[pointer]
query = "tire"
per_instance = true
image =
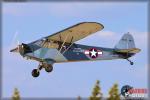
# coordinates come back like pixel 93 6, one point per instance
pixel 131 63
pixel 49 68
pixel 35 73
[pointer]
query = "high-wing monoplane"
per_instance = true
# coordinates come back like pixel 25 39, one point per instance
pixel 61 47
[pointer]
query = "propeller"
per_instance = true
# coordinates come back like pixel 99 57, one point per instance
pixel 19 47
pixel 13 43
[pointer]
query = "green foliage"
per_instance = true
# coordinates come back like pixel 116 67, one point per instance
pixel 96 94
pixel 114 93
pixel 16 95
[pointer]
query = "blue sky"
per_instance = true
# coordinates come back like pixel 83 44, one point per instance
pixel 32 21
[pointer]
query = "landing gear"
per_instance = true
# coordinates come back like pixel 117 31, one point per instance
pixel 35 72
pixel 47 67
pixel 131 63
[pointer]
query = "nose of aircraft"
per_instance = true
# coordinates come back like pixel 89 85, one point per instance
pixel 15 50
pixel 22 49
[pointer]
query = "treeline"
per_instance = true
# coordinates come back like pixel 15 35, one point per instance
pixel 98 95
pixel 95 95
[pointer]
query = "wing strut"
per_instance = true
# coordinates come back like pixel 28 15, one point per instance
pixel 63 43
pixel 69 45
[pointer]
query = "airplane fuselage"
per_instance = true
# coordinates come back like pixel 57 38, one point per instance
pixel 75 52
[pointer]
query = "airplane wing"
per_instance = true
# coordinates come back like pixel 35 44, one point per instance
pixel 74 33
pixel 132 50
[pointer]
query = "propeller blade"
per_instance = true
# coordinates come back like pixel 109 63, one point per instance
pixel 14 39
pixel 17 42
pixel 14 42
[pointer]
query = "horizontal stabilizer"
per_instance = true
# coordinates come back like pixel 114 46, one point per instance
pixel 132 50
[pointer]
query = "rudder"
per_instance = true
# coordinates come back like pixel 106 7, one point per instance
pixel 126 42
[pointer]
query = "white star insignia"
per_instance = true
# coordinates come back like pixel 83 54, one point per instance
pixel 93 53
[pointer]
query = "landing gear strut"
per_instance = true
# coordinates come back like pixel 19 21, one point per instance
pixel 131 63
pixel 47 67
pixel 36 72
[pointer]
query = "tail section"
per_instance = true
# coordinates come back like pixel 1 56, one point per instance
pixel 126 42
pixel 126 47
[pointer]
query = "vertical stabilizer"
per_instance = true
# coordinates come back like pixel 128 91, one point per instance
pixel 126 42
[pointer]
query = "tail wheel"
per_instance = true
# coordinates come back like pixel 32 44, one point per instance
pixel 35 73
pixel 131 63
pixel 49 68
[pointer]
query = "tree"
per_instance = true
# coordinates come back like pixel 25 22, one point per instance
pixel 96 94
pixel 114 93
pixel 79 98
pixel 16 95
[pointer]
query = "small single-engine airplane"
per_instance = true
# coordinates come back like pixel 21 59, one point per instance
pixel 60 47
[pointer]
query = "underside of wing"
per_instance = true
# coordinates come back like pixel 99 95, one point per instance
pixel 76 32
pixel 132 50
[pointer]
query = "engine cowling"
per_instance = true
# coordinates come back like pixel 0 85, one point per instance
pixel 24 48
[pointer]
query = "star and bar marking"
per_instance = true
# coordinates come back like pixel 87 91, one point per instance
pixel 93 53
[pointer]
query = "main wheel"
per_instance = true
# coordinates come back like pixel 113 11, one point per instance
pixel 49 68
pixel 35 73
pixel 131 63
